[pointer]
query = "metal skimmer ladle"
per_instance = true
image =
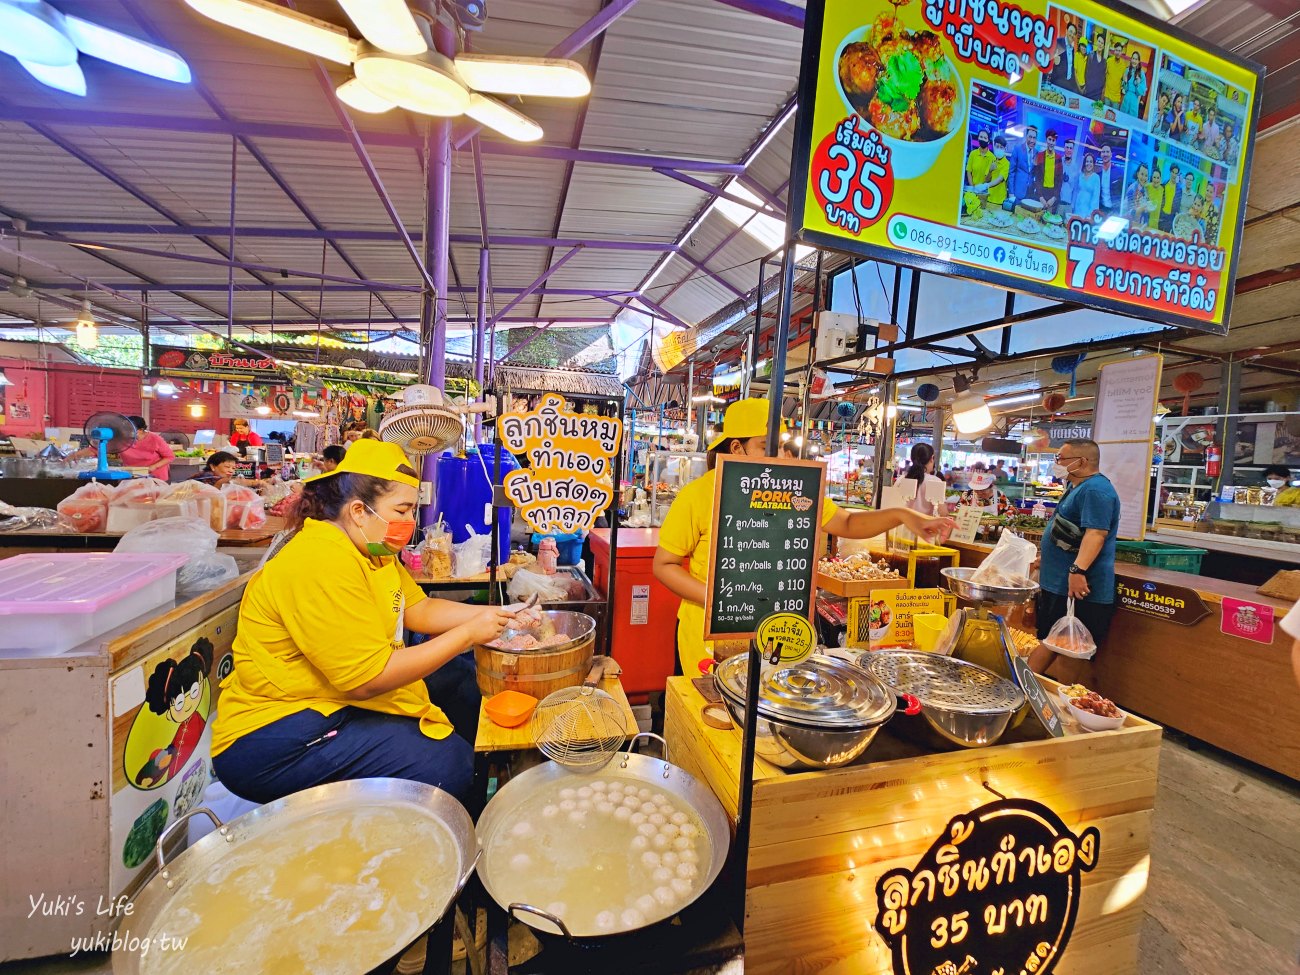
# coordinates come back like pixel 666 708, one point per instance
pixel 581 727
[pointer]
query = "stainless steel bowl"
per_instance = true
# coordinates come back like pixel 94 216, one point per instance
pixel 818 714
pixel 961 703
pixel 578 627
pixel 959 584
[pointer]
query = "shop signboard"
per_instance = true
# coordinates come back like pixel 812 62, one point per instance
pixel 1049 436
pixel 571 458
pixel 763 543
pixel 1175 604
pixel 997 891
pixel 1081 151
pixel 884 619
pixel 229 366
pixel 1247 620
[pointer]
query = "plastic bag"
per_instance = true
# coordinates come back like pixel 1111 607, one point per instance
pixel 1007 566
pixel 185 536
pixel 470 557
pixel 204 572
pixel 20 519
pixel 244 507
pixel 86 509
pixel 436 552
pixel 549 589
pixel 141 490
pixel 209 499
pixel 1069 637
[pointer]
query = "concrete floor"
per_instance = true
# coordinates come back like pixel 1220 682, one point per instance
pixel 1224 892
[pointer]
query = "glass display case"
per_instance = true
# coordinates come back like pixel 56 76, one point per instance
pixel 667 472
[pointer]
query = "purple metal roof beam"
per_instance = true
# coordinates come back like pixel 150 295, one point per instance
pixel 689 258
pixel 778 10
pixel 713 191
pixel 771 199
pixel 605 157
pixel 537 283
pixel 567 48
pixel 660 310
pixel 281 287
pixel 647 311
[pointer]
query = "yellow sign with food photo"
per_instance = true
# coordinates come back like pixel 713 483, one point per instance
pixel 1083 152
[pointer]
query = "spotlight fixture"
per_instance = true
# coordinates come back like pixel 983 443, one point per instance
pixel 970 414
pixel 87 330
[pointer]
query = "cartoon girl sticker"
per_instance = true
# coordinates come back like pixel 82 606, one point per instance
pixel 178 691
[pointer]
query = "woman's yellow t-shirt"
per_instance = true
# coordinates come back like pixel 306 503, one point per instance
pixel 686 531
pixel 318 620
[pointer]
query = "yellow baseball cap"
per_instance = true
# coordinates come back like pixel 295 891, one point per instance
pixel 744 418
pixel 376 458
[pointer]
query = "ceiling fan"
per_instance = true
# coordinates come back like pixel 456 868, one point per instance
pixel 47 43
pixel 395 66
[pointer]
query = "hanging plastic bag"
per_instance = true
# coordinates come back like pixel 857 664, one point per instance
pixel 470 557
pixel 1007 566
pixel 1069 637
pixel 86 509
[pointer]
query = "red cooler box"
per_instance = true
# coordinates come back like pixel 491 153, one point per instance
pixel 645 613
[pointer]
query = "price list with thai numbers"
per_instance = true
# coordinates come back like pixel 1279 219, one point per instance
pixel 764 544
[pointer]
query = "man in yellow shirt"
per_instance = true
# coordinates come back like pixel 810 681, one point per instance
pixel 323 688
pixel 681 562
pixel 1116 65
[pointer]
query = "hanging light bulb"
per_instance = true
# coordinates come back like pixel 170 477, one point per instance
pixel 197 409
pixel 87 330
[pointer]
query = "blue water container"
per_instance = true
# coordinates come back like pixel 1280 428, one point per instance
pixel 463 492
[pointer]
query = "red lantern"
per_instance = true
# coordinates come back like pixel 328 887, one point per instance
pixel 1054 402
pixel 1188 383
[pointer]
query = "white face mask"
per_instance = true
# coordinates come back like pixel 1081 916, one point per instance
pixel 1060 470
pixel 1000 153
pixel 1276 482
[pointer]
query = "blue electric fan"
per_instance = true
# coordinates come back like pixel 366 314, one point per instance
pixel 109 432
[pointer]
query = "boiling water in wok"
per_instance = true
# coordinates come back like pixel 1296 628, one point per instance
pixel 603 855
pixel 339 891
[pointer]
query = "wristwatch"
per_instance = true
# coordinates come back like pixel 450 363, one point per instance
pixel 1077 570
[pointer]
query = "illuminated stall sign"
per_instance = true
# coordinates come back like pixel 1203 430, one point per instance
pixel 227 366
pixel 997 892
pixel 570 477
pixel 1081 151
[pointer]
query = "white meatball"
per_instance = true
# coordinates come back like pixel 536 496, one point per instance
pixel 640 842
pixel 648 829
pixel 662 875
pixel 521 862
pixel 670 830
pixel 683 843
pixel 599 786
pixel 687 870
pixel 660 842
pixel 650 859
pixel 644 794
pixel 622 813
pixel 568 805
pixel 567 793
pixel 632 802
pixel 585 805
pixel 523 828
pixel 669 859
pixel 681 885
pixel 605 808
pixel 690 831
pixel 665 896
pixel 550 812
pixel 558 908
pixel 632 918
pixel 646 904
pixel 616 787
pixel 689 856
pixel 659 819
pixel 637 818
pixel 679 819
pixel 605 921
pixel 584 792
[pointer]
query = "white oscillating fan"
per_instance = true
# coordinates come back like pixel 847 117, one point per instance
pixel 427 421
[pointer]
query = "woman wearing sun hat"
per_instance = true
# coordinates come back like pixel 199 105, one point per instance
pixel 682 558
pixel 323 688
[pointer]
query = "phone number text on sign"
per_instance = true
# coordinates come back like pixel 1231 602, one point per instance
pixel 852 176
pixel 946 243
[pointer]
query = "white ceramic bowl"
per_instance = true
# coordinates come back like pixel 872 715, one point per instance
pixel 908 159
pixel 1095 722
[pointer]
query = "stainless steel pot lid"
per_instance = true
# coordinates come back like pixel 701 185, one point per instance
pixel 820 692
pixel 942 682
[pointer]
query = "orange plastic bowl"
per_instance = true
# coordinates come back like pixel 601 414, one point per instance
pixel 510 709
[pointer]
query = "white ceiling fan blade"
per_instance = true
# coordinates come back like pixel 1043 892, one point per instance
pixel 501 117
pixel 387 24
pixel 126 51
pixel 32 30
pixel 67 77
pixel 546 77
pixel 355 95
pixel 275 23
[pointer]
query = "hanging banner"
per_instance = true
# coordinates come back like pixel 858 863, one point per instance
pixel 1081 153
pixel 201 364
pixel 254 402
pixel 570 477
pixel 672 349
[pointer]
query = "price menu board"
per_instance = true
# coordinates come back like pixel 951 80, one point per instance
pixel 765 539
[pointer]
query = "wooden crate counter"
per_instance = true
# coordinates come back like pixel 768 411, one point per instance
pixel 821 840
pixel 491 737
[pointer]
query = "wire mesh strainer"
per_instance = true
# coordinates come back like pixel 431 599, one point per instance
pixel 582 727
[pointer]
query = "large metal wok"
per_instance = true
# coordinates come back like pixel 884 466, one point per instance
pixel 151 915
pixel 649 771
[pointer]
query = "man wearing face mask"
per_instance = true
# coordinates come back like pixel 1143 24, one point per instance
pixel 1078 549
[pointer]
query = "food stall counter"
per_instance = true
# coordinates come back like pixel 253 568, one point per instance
pixel 823 842
pixel 644 634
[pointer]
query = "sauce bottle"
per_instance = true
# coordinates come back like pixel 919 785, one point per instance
pixel 548 555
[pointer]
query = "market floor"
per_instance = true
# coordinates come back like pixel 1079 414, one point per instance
pixel 1223 896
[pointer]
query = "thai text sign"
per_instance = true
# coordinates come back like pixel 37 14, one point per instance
pixel 570 478
pixel 1176 604
pixel 997 892
pixel 1076 151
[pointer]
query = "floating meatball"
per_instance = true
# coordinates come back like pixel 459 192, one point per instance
pixel 938 100
pixel 689 856
pixel 521 862
pixel 662 875
pixel 679 819
pixel 584 792
pixel 681 885
pixel 558 908
pixel 622 813
pixel 670 859
pixel 898 125
pixel 568 805
pixel 650 859
pixel 690 831
pixel 637 818
pixel 522 829
pixel 632 802
pixel 632 918
pixel 605 808
pixel 640 843
pixel 599 786
pixel 567 793
pixel 665 896
pixel 550 812
pixel 660 842
pixel 605 921
pixel 648 829
pixel 687 870
pixel 671 830
pixel 659 819
pixel 646 904
pixel 683 843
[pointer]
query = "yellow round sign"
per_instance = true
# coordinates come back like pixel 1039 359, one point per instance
pixel 786 638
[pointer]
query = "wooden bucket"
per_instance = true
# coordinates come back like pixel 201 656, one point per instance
pixel 535 672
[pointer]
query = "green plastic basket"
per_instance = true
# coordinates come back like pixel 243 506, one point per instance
pixel 1175 558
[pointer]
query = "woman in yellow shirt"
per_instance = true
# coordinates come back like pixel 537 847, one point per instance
pixel 323 687
pixel 682 559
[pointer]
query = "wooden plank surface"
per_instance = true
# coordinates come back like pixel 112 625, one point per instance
pixel 504 574
pixel 492 737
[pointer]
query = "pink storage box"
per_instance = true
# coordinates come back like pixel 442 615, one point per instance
pixel 52 603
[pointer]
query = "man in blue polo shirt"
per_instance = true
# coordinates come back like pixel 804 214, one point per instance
pixel 1078 548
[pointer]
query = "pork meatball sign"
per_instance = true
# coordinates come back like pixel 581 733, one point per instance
pixel 1077 151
